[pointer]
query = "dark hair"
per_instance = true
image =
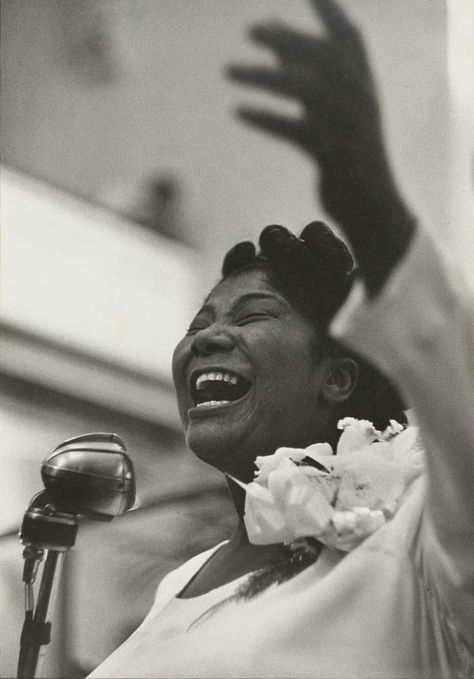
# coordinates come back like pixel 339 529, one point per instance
pixel 314 273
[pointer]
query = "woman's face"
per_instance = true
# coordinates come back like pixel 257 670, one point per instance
pixel 248 376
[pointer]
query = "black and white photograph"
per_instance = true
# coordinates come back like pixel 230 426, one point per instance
pixel 237 339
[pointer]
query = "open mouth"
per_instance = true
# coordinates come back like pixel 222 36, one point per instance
pixel 217 387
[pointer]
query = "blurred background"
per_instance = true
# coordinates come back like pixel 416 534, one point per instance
pixel 124 180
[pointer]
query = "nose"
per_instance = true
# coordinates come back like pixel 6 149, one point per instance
pixel 212 340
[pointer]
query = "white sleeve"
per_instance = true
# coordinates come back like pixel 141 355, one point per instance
pixel 420 332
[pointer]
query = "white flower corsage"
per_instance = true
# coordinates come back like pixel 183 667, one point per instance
pixel 345 498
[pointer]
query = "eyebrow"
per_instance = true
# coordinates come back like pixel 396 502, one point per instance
pixel 245 298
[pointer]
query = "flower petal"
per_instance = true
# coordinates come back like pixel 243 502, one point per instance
pixel 320 452
pixel 371 483
pixel 299 506
pixel 340 507
pixel 356 434
pixel 268 463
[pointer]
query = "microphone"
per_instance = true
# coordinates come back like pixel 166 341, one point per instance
pixel 90 475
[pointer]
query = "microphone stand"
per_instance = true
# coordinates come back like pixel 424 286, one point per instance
pixel 90 475
pixel 45 528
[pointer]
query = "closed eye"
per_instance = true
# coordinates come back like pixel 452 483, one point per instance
pixel 196 326
pixel 193 329
pixel 252 318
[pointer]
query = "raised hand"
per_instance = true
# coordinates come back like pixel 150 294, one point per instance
pixel 340 127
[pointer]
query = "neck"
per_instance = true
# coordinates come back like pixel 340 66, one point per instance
pixel 237 495
pixel 239 538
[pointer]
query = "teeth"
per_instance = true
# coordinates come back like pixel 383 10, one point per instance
pixel 211 403
pixel 215 377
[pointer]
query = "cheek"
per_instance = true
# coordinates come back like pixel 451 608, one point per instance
pixel 289 371
pixel 287 353
pixel 178 362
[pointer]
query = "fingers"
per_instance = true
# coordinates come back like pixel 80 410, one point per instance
pixel 261 77
pixel 305 59
pixel 328 75
pixel 336 21
pixel 291 129
pixel 310 85
pixel 286 42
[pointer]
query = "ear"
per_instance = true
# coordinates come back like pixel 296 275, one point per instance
pixel 341 379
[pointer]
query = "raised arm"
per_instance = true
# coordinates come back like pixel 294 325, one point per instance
pixel 339 127
pixel 421 329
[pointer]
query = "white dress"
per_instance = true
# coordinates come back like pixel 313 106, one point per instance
pixel 402 603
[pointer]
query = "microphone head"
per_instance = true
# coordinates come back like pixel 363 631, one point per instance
pixel 91 475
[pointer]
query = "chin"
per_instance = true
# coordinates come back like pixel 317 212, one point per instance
pixel 222 453
pixel 209 451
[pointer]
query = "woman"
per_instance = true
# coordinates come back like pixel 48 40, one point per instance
pixel 257 371
pixel 400 603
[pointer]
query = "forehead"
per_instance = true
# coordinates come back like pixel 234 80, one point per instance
pixel 244 284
